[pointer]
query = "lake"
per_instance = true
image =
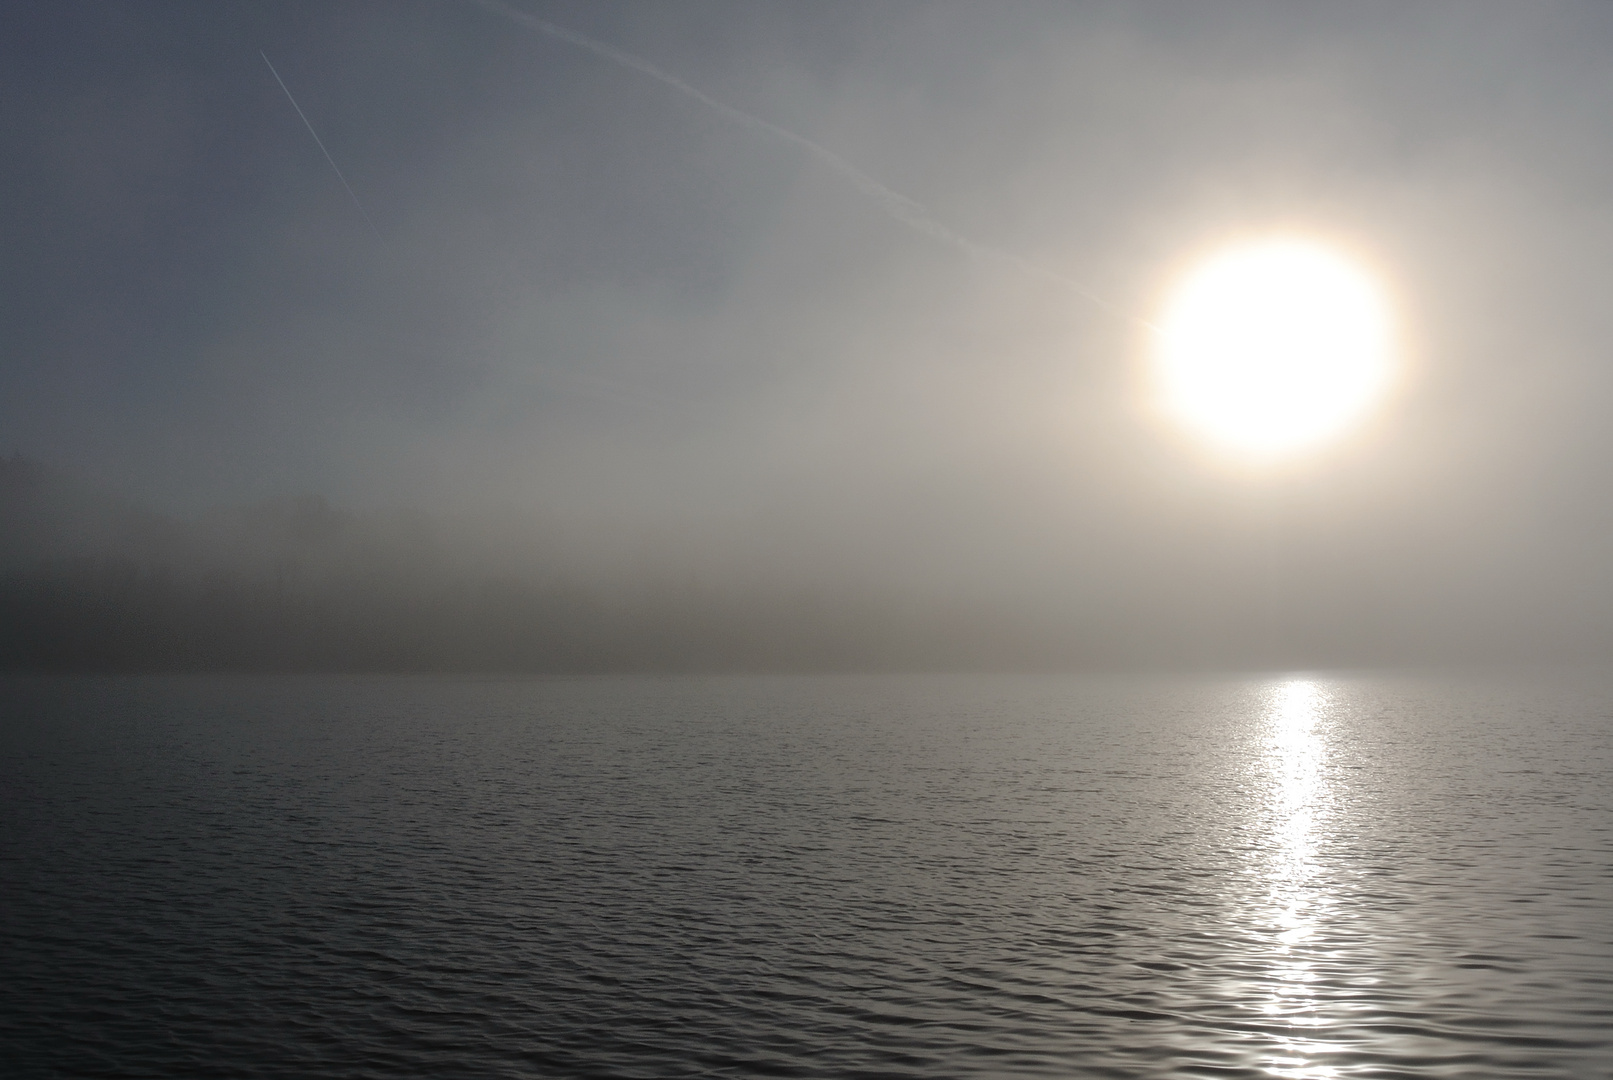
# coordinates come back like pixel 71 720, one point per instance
pixel 858 876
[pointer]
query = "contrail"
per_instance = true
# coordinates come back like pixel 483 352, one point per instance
pixel 910 212
pixel 320 144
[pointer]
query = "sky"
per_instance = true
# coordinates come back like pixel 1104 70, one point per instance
pixel 826 327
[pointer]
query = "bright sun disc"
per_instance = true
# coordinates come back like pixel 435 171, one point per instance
pixel 1273 346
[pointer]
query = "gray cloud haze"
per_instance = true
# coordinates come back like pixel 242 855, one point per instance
pixel 826 397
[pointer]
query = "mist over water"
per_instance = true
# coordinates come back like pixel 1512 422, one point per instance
pixel 93 581
pixel 608 340
pixel 856 876
pixel 715 431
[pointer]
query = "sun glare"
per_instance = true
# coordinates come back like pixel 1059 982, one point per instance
pixel 1272 347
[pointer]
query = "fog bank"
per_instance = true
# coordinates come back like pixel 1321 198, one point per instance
pixel 620 379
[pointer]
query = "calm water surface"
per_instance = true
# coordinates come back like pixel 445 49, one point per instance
pixel 835 877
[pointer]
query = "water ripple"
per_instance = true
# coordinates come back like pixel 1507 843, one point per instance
pixel 857 877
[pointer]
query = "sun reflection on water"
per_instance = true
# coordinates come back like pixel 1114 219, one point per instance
pixel 1299 902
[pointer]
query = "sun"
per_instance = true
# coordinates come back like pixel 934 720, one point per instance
pixel 1270 347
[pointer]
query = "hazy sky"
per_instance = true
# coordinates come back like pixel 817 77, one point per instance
pixel 598 304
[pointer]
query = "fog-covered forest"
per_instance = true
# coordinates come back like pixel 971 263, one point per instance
pixel 92 581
